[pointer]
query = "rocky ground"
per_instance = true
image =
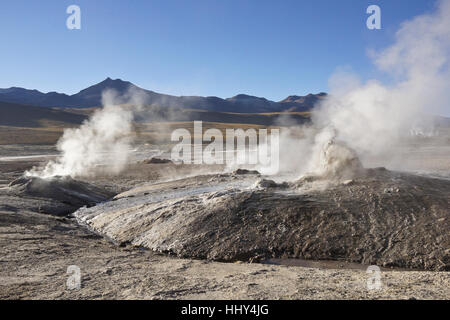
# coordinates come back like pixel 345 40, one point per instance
pixel 37 248
pixel 381 217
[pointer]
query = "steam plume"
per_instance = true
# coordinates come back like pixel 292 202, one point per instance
pixel 101 143
pixel 371 118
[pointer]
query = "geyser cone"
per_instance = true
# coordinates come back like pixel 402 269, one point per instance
pixel 339 161
pixel 63 189
pixel 384 218
pixel 335 162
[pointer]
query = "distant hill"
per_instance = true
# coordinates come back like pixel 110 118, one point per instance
pixel 18 115
pixel 91 97
pixel 161 114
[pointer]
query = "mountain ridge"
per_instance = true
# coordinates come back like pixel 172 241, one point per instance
pixel 91 97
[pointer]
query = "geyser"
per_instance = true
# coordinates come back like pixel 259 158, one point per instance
pixel 102 143
pixel 332 159
pixel 373 118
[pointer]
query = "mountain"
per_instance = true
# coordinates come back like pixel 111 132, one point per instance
pixel 33 97
pixel 86 98
pixel 91 97
pixel 293 102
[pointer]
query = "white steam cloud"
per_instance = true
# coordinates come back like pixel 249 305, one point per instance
pixel 100 144
pixel 372 117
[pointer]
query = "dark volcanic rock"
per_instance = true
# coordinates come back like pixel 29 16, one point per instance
pixel 266 183
pixel 245 171
pixel 358 222
pixel 57 195
pixel 156 160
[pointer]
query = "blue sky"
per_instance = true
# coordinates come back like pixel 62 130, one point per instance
pixel 194 47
